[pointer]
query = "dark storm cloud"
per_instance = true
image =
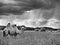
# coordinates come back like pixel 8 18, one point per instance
pixel 37 4
pixel 12 10
pixel 57 0
pixel 24 5
pixel 38 9
pixel 1 4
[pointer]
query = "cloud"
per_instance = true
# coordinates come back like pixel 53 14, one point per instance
pixel 19 7
pixel 53 22
pixel 30 13
pixel 3 22
pixel 7 1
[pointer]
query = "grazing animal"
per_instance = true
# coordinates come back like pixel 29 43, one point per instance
pixel 11 30
pixel 7 29
pixel 16 30
pixel 5 33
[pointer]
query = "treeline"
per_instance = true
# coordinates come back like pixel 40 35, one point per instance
pixel 42 29
pixel 39 28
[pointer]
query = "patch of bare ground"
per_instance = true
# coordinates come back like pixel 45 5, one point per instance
pixel 32 38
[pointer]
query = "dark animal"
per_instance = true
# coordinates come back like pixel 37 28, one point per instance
pixel 14 34
pixel 4 34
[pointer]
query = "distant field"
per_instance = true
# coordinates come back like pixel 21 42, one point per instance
pixel 32 38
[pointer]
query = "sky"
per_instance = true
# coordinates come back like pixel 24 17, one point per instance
pixel 30 13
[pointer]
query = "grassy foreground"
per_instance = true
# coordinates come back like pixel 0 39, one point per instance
pixel 31 38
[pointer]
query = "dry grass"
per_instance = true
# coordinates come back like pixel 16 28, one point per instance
pixel 33 38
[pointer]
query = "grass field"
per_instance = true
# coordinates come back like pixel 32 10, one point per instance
pixel 32 38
